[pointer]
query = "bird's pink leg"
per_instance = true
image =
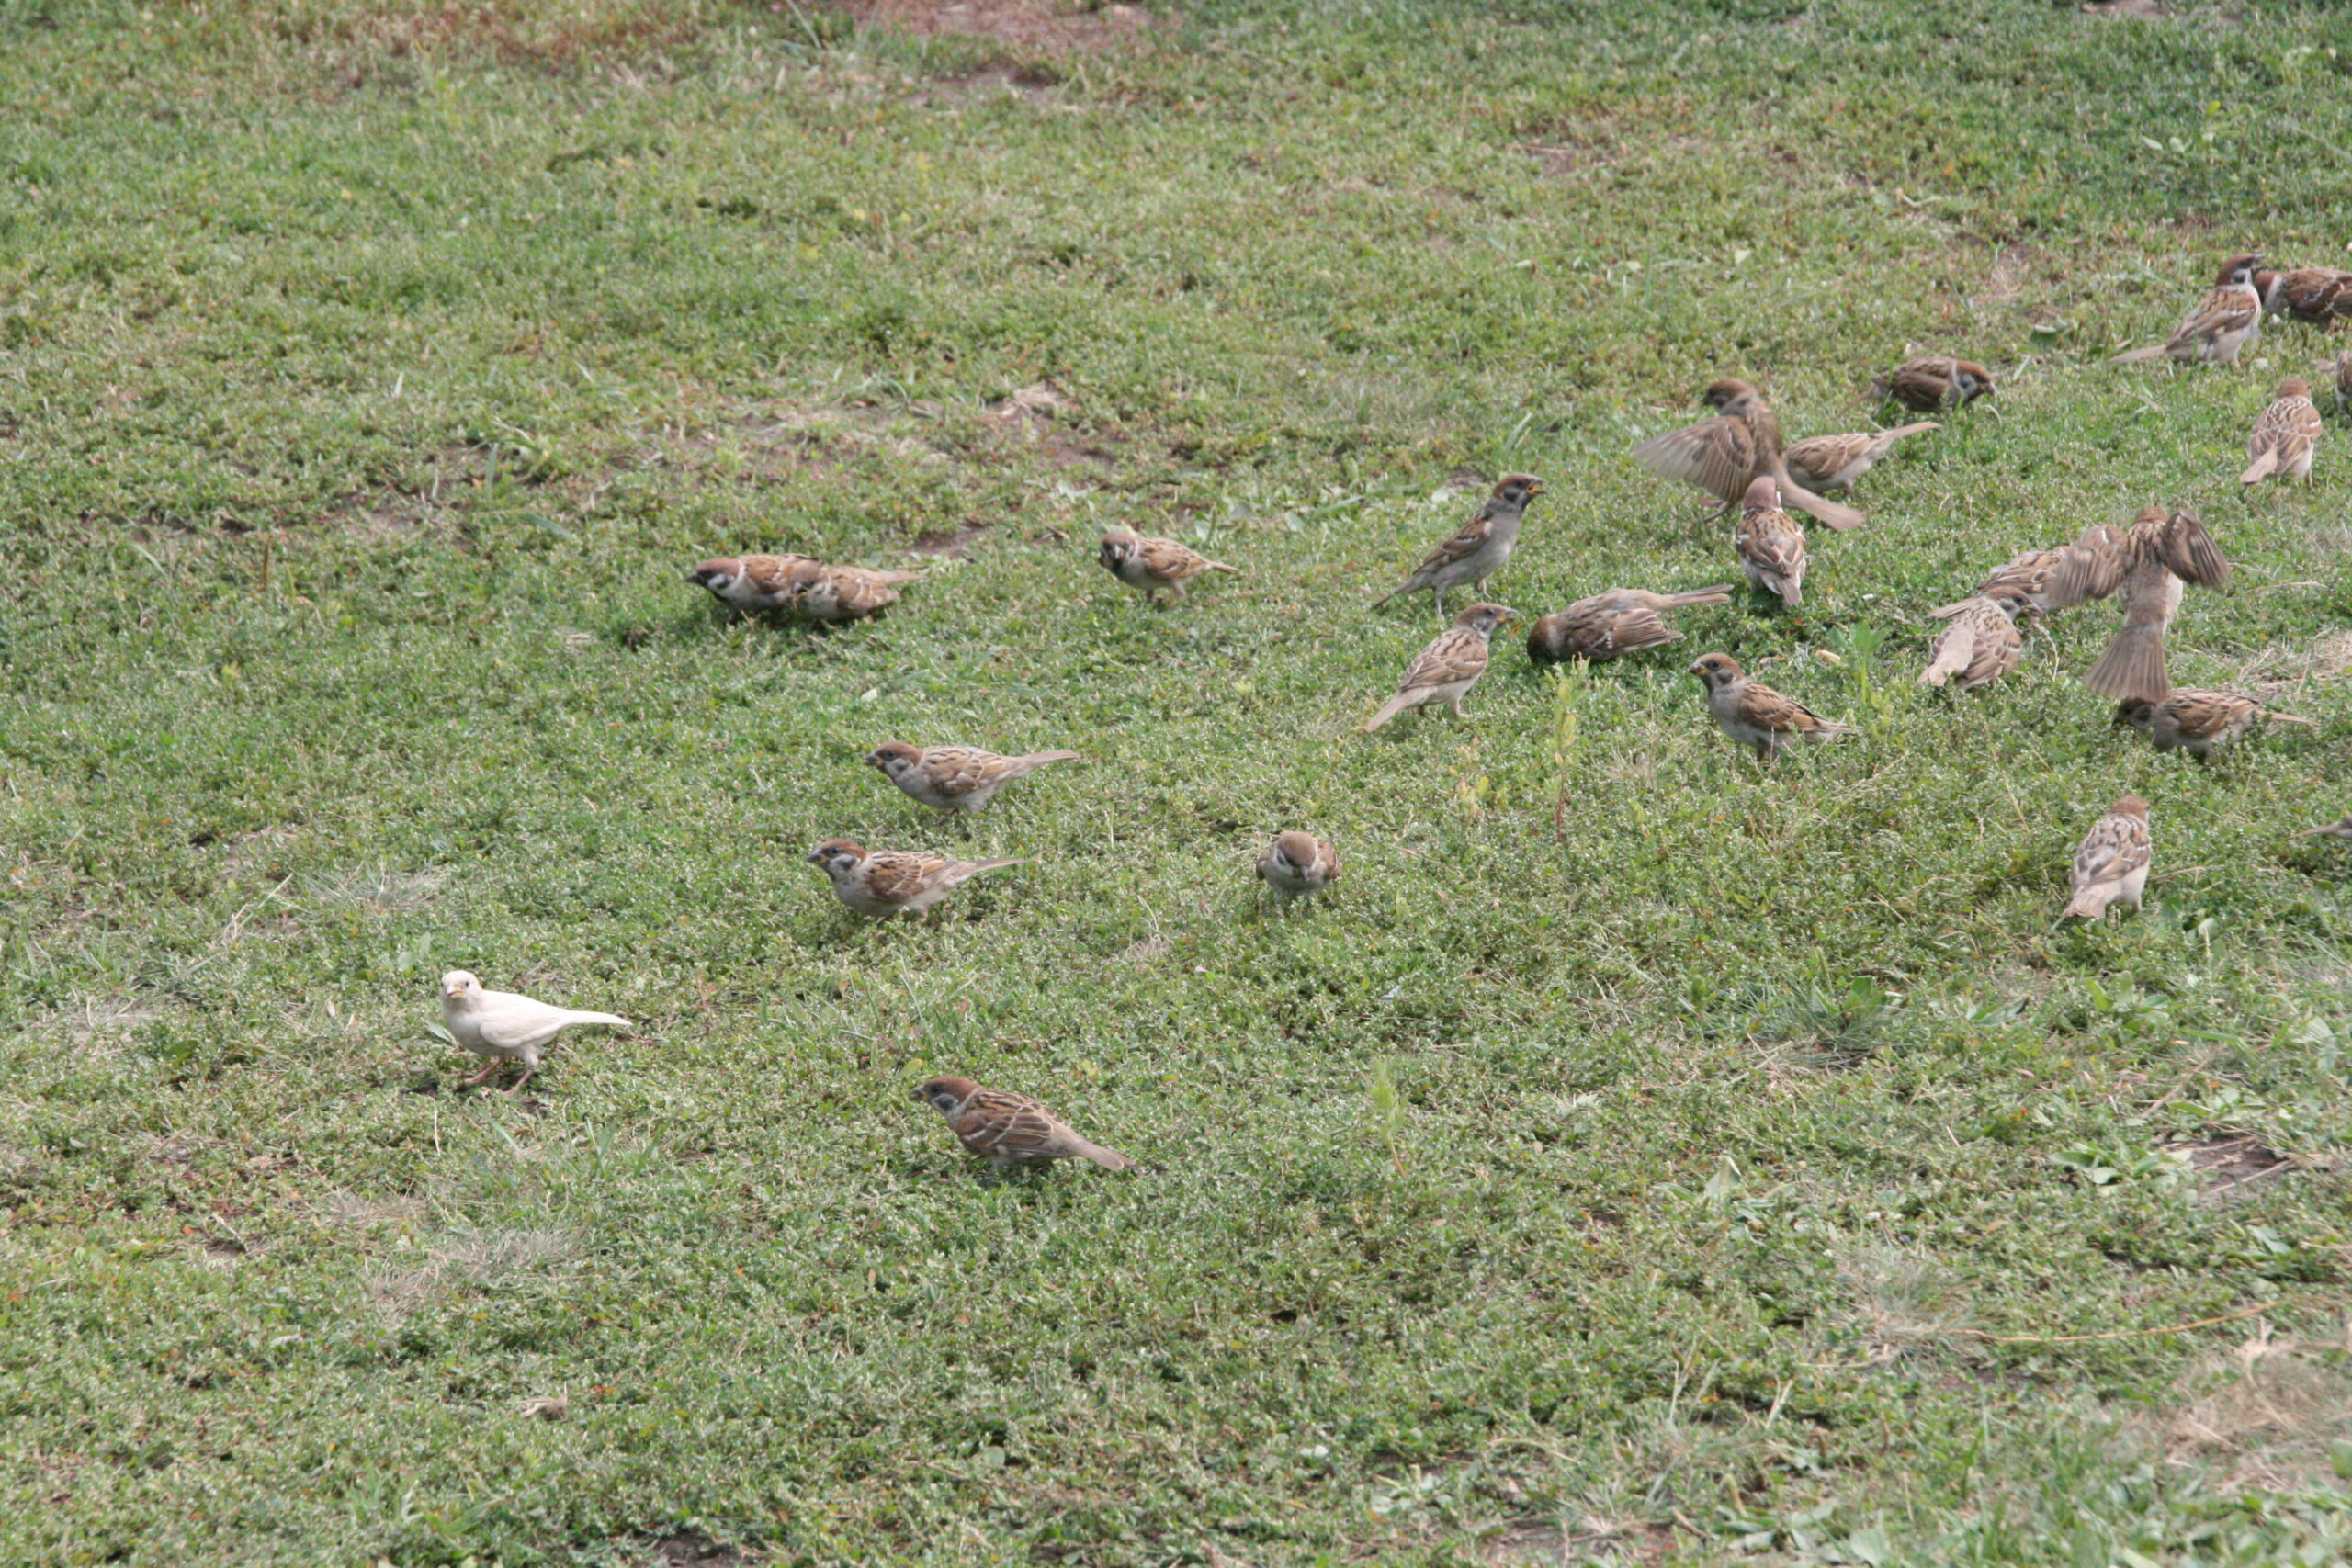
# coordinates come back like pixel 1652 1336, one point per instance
pixel 495 1063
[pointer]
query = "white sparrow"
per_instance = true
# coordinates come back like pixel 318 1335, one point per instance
pixel 2196 720
pixel 1446 670
pixel 1771 544
pixel 1298 866
pixel 882 883
pixel 1936 383
pixel 1010 1129
pixel 1152 564
pixel 834 594
pixel 1622 620
pixel 2320 295
pixel 504 1027
pixel 2286 437
pixel 2157 553
pixel 2225 321
pixel 1834 462
pixel 1980 644
pixel 754 582
pixel 1754 715
pixel 955 778
pixel 1478 550
pixel 1723 455
pixel 2112 862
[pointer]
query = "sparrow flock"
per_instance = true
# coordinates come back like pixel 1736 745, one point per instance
pixel 1736 456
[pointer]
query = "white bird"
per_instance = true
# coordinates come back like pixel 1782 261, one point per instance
pixel 506 1027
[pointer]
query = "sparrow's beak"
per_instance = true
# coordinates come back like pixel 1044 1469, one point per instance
pixel 1534 487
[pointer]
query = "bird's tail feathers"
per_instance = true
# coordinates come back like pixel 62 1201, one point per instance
pixel 1719 595
pixel 1792 593
pixel 2133 357
pixel 2287 717
pixel 2092 902
pixel 2261 469
pixel 1900 431
pixel 1109 1159
pixel 1952 657
pixel 2133 667
pixel 1388 710
pixel 1039 758
pixel 604 1017
pixel 1842 518
pixel 1220 566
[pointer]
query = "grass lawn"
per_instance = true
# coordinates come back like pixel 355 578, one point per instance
pixel 1641 1157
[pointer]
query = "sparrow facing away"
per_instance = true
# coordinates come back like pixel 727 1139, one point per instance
pixel 1298 866
pixel 1478 550
pixel 1771 545
pixel 1755 715
pixel 2155 556
pixel 504 1027
pixel 2225 321
pixel 1152 564
pixel 1834 462
pixel 1980 644
pixel 1936 383
pixel 2092 567
pixel 753 582
pixel 2286 437
pixel 1723 455
pixel 2320 295
pixel 955 778
pixel 881 883
pixel 1446 670
pixel 2197 720
pixel 1010 1129
pixel 1622 620
pixel 2112 862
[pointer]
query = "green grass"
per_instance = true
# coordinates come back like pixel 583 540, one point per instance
pixel 1751 1169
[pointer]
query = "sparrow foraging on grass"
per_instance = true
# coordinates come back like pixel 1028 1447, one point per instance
pixel 1979 643
pixel 828 593
pixel 2094 566
pixel 1934 383
pixel 2156 556
pixel 506 1028
pixel 2112 862
pixel 1010 1129
pixel 1771 544
pixel 1153 565
pixel 1446 670
pixel 1834 462
pixel 1724 454
pixel 1622 621
pixel 1298 866
pixel 882 883
pixel 2225 321
pixel 753 582
pixel 2286 437
pixel 1755 715
pixel 2320 295
pixel 1478 550
pixel 955 778
pixel 2196 720
pixel 834 594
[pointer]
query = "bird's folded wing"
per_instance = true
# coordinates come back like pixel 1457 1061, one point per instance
pixel 1456 655
pixel 895 876
pixel 1461 545
pixel 1768 709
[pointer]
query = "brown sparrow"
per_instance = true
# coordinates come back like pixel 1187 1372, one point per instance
pixel 2197 720
pixel 1755 715
pixel 753 582
pixel 834 594
pixel 1298 866
pixel 955 778
pixel 2157 553
pixel 2285 437
pixel 1723 455
pixel 2320 295
pixel 506 1028
pixel 1446 670
pixel 1980 644
pixel 2344 380
pixel 1478 550
pixel 1834 462
pixel 882 883
pixel 2224 322
pixel 1936 383
pixel 2112 862
pixel 1152 564
pixel 1771 545
pixel 1010 1129
pixel 1623 620
pixel 2093 566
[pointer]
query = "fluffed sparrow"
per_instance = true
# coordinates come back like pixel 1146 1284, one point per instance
pixel 1622 620
pixel 2052 580
pixel 1478 550
pixel 2225 321
pixel 1980 644
pixel 2157 553
pixel 1754 715
pixel 504 1027
pixel 753 582
pixel 1298 866
pixel 1723 455
pixel 2286 437
pixel 1771 545
pixel 1934 383
pixel 834 594
pixel 2112 862
pixel 1446 670
pixel 2320 295
pixel 955 778
pixel 1010 1129
pixel 1834 462
pixel 2197 720
pixel 882 883
pixel 1154 565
